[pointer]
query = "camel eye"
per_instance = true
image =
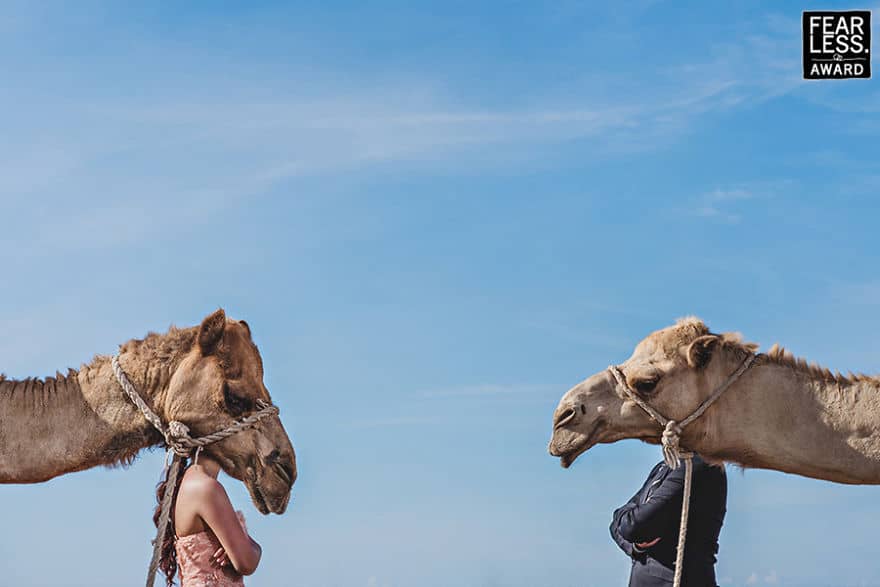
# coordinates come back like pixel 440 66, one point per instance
pixel 645 386
pixel 235 404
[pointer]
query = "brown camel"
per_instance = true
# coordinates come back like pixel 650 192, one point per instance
pixel 782 414
pixel 205 376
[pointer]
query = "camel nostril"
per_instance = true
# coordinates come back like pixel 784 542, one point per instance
pixel 583 409
pixel 285 472
pixel 565 417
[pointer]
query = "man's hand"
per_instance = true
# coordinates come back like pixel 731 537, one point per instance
pixel 647 545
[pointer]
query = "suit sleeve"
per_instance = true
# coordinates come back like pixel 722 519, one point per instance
pixel 647 521
pixel 625 544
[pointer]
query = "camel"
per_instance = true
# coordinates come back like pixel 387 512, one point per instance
pixel 782 414
pixel 205 376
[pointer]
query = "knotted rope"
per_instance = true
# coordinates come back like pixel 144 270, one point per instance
pixel 673 454
pixel 179 441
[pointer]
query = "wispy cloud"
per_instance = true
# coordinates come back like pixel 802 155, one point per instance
pixel 712 203
pixel 350 127
pixel 756 578
pixel 152 169
pixel 758 65
pixel 278 141
pixel 727 204
pixel 218 142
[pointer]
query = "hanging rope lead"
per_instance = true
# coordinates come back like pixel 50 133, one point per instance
pixel 179 441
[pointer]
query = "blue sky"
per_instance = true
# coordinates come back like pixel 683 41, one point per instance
pixel 436 219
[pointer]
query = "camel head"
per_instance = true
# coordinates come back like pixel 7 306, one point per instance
pixel 218 381
pixel 673 369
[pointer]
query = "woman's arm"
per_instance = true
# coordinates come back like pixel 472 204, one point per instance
pixel 216 510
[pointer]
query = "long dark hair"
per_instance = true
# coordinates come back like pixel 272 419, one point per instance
pixel 168 555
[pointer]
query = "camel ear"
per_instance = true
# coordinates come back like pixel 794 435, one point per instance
pixel 211 331
pixel 700 351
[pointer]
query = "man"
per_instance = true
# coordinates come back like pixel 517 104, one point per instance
pixel 646 527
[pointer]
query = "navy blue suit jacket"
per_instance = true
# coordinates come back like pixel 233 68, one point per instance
pixel 655 511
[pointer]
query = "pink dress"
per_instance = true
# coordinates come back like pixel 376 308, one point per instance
pixel 194 553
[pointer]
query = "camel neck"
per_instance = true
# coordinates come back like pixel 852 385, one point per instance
pixel 77 421
pixel 73 422
pixel 783 418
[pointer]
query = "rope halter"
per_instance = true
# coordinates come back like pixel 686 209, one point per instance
pixel 179 442
pixel 672 429
pixel 176 434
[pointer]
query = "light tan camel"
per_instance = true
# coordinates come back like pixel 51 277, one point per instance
pixel 205 377
pixel 782 414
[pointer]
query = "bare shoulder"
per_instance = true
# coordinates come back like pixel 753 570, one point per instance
pixel 198 486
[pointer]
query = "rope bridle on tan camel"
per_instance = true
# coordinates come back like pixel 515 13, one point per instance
pixel 673 453
pixel 179 442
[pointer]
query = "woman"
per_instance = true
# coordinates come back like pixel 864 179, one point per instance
pixel 207 539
